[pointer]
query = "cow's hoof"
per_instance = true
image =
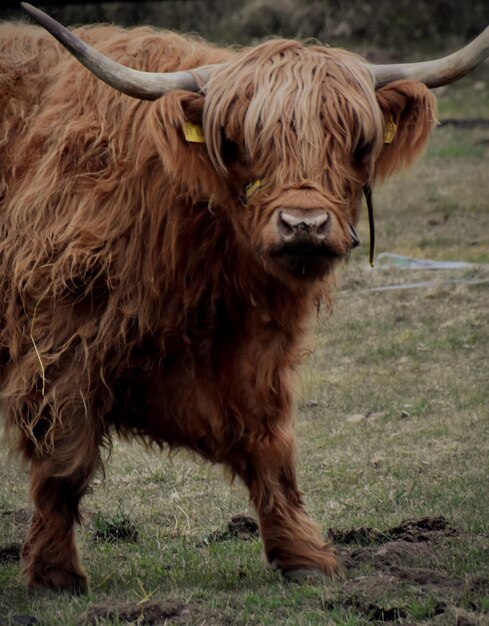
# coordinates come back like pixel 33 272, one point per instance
pixel 305 575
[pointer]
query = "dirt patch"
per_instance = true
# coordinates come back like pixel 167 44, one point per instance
pixel 150 613
pixel 389 554
pixel 422 529
pixel 455 616
pixel 10 553
pixel 114 529
pixel 390 596
pixel 20 517
pixel 362 536
pixel 240 527
pixel 378 596
pixel 399 567
pixel 409 530
pixel 243 527
pixel 19 620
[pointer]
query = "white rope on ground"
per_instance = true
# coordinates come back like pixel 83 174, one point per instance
pixel 398 261
pixel 428 283
pixel 410 263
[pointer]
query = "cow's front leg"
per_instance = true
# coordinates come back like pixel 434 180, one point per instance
pixel 292 540
pixel 50 556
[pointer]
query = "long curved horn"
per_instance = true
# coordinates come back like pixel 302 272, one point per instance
pixel 438 71
pixel 142 85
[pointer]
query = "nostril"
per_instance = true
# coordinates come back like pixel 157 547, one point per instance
pixel 322 224
pixel 286 224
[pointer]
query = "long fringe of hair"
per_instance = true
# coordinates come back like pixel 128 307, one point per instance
pixel 301 111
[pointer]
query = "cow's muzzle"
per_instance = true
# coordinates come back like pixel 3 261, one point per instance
pixel 300 228
pixel 309 241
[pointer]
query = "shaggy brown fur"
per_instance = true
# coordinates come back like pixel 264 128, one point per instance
pixel 140 296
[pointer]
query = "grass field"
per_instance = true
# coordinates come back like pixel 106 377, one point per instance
pixel 393 425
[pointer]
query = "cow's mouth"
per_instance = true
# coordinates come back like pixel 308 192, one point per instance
pixel 312 261
pixel 309 252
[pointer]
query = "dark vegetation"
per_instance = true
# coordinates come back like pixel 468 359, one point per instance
pixel 404 25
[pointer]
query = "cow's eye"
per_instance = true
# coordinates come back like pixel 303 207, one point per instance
pixel 362 152
pixel 230 151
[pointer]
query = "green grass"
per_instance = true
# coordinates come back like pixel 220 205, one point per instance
pixel 414 362
pixel 466 98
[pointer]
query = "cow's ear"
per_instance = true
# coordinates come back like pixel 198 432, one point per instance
pixel 409 110
pixel 193 107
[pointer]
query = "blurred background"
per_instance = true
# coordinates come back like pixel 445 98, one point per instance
pixel 401 27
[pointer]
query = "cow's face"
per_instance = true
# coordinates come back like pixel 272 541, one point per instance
pixel 298 132
pixel 297 229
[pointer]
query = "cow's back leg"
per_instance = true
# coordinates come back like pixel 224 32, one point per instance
pixel 50 556
pixel 292 540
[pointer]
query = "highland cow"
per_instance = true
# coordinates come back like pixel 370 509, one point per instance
pixel 163 256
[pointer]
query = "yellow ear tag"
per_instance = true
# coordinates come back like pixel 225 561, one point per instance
pixel 252 187
pixel 390 129
pixel 193 133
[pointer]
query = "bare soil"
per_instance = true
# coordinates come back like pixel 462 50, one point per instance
pixel 239 527
pixel 151 613
pixel 10 553
pixel 384 571
pixel 18 519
